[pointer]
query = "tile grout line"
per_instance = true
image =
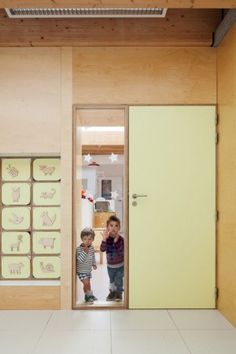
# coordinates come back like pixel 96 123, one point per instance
pixel 180 334
pixel 41 334
pixel 110 334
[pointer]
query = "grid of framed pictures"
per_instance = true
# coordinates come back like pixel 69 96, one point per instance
pixel 30 239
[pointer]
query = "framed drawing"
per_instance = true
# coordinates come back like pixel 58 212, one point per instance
pixel 15 267
pixel 16 169
pixel 46 218
pixel 16 218
pixel 46 267
pixel 16 193
pixel 46 193
pixel 17 242
pixel 46 242
pixel 47 170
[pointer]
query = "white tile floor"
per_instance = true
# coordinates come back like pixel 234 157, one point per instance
pixel 116 332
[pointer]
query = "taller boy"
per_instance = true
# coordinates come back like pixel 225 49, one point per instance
pixel 113 245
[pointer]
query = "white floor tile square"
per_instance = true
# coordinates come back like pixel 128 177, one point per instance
pixel 21 342
pixel 74 342
pixel 210 342
pixel 141 319
pixel 199 319
pixel 77 320
pixel 24 320
pixel 149 342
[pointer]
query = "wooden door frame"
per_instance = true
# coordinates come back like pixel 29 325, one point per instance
pixel 125 108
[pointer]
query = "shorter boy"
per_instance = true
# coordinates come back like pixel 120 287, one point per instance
pixel 85 261
pixel 113 244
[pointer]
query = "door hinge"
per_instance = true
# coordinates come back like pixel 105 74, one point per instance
pixel 216 291
pixel 217 137
pixel 217 119
pixel 217 215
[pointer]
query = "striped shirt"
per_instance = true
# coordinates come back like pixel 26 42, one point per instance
pixel 114 251
pixel 85 261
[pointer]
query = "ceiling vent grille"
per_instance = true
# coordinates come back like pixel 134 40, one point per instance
pixel 85 12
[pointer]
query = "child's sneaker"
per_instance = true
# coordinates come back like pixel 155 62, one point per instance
pixel 93 297
pixel 111 296
pixel 88 299
pixel 118 296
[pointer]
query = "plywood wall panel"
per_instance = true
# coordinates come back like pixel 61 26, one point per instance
pixel 144 75
pixel 30 100
pixel 29 297
pixel 66 181
pixel 226 247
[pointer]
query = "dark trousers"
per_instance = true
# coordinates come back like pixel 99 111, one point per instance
pixel 116 278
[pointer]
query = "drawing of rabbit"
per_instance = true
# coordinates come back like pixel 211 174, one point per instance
pixel 15 194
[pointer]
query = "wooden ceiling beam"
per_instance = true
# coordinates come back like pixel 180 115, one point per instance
pixel 202 4
pixel 181 27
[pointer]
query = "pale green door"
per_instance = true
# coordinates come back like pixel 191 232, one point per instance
pixel 172 229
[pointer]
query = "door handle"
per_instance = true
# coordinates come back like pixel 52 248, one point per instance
pixel 135 196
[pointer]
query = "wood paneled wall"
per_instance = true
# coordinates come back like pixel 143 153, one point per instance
pixel 36 110
pixel 30 100
pixel 144 75
pixel 36 119
pixel 226 247
pixel 29 297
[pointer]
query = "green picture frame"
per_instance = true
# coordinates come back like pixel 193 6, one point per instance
pixel 15 267
pixel 16 193
pixel 17 169
pixel 45 242
pixel 46 218
pixel 16 218
pixel 46 193
pixel 16 242
pixel 47 169
pixel 46 267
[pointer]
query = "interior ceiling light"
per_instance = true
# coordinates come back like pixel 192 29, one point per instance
pixel 85 12
pixel 93 164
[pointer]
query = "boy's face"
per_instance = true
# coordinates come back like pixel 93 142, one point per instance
pixel 113 228
pixel 87 240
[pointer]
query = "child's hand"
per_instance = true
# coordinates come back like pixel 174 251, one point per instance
pixel 94 267
pixel 105 235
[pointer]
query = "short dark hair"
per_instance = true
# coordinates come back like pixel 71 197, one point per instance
pixel 113 218
pixel 87 232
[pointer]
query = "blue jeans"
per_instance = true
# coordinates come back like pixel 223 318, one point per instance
pixel 116 278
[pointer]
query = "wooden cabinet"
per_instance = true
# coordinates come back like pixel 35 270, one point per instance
pixel 100 219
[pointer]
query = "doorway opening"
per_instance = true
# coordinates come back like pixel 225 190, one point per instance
pixel 100 191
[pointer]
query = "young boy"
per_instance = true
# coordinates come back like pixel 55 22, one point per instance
pixel 113 244
pixel 85 261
